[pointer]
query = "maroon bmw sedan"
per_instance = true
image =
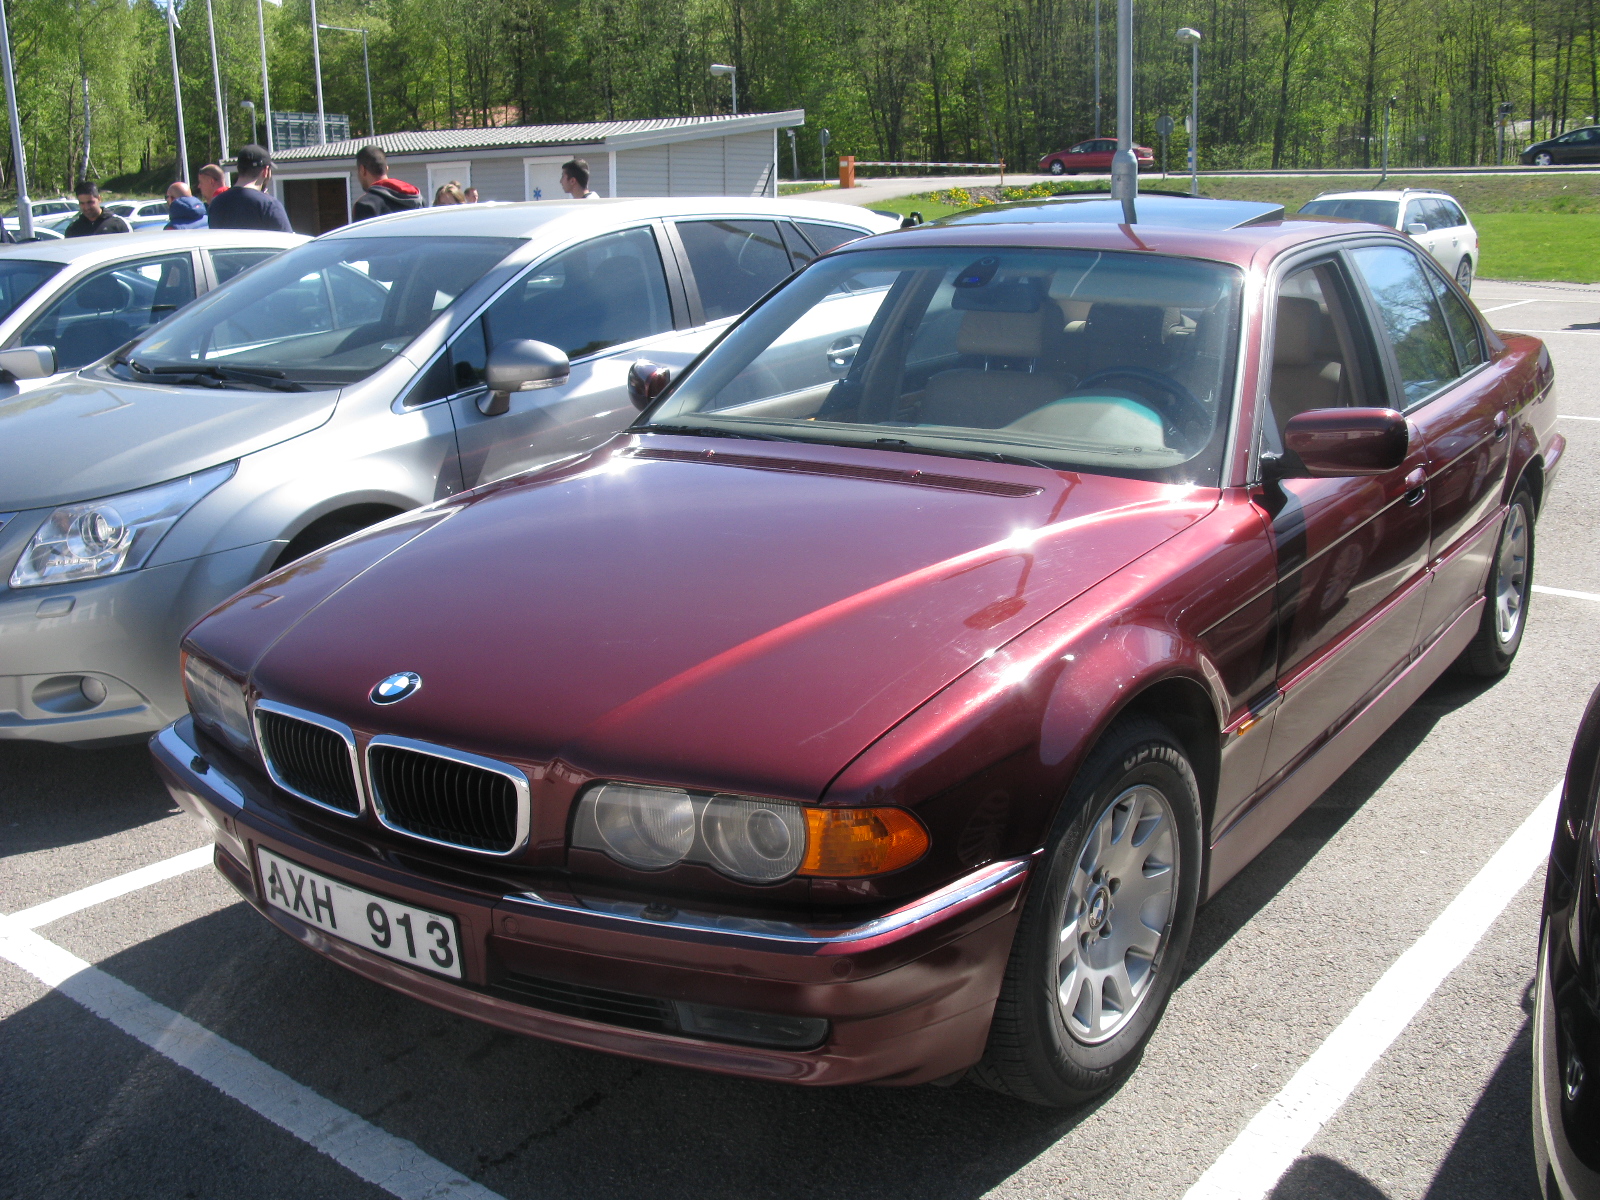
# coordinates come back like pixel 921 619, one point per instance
pixel 883 703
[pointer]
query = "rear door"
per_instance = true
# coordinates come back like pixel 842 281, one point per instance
pixel 1352 553
pixel 1461 412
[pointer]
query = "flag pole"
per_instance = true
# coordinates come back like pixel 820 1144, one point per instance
pixel 316 68
pixel 20 163
pixel 216 82
pixel 266 89
pixel 177 89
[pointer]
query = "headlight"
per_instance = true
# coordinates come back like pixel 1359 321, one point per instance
pixel 114 534
pixel 217 702
pixel 748 838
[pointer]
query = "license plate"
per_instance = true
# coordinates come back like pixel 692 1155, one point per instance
pixel 410 935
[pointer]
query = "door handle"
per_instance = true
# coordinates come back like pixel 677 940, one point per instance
pixel 1416 486
pixel 1502 425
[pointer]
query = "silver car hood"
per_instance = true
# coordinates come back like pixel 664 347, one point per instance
pixel 83 438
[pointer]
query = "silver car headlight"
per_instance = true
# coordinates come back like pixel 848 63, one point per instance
pixel 113 534
pixel 217 702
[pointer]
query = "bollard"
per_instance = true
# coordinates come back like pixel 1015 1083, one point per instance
pixel 847 170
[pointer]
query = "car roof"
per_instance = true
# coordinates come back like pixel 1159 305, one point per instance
pixel 110 246
pixel 1387 194
pixel 526 218
pixel 1168 209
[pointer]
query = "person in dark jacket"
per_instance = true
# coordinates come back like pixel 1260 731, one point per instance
pixel 248 204
pixel 183 210
pixel 92 218
pixel 383 194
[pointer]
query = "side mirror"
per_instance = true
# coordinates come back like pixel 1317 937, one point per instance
pixel 521 365
pixel 1416 228
pixel 911 220
pixel 28 362
pixel 1341 442
pixel 646 381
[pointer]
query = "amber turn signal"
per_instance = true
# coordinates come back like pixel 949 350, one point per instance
pixel 849 842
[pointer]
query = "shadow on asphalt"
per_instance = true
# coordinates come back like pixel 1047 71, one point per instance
pixel 1255 886
pixel 53 796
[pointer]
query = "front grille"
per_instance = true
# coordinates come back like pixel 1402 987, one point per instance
pixel 309 760
pixel 444 799
pixel 590 1003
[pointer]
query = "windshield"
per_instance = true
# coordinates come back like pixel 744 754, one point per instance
pixel 19 280
pixel 323 314
pixel 1116 363
pixel 1376 212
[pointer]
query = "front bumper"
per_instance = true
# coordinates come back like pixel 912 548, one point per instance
pixel 121 632
pixel 908 995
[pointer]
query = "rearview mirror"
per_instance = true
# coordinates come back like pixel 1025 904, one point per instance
pixel 521 365
pixel 28 362
pixel 1337 442
pixel 1416 228
pixel 646 381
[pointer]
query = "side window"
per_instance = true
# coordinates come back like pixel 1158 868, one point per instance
pixel 800 250
pixel 1463 325
pixel 1453 216
pixel 1411 317
pixel 1317 358
pixel 111 306
pixel 826 237
pixel 225 264
pixel 599 294
pixel 735 263
pixel 460 368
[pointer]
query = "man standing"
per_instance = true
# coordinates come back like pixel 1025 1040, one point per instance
pixel 92 218
pixel 183 210
pixel 575 180
pixel 383 194
pixel 212 181
pixel 248 204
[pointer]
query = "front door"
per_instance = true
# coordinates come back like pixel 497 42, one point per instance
pixel 1352 553
pixel 1457 406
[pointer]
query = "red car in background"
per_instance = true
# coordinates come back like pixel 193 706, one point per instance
pixel 880 706
pixel 1092 155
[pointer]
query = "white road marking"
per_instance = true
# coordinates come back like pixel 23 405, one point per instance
pixel 1267 1147
pixel 110 889
pixel 1514 303
pixel 1575 417
pixel 1568 592
pixel 392 1163
pixel 1541 332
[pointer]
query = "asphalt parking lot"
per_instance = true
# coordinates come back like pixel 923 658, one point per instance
pixel 164 1041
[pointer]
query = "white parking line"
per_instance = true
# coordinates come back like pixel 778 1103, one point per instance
pixel 1575 417
pixel 1267 1147
pixel 1514 303
pixel 1542 332
pixel 392 1163
pixel 1568 592
pixel 110 889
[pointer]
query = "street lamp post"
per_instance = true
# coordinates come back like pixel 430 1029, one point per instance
pixel 24 206
pixel 366 67
pixel 1124 166
pixel 249 105
pixel 1097 68
pixel 1387 109
pixel 823 138
pixel 733 74
pixel 794 153
pixel 1192 36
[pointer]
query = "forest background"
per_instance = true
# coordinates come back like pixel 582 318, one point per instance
pixel 1284 83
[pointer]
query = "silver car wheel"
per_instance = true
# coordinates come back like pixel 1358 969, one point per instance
pixel 1464 274
pixel 1511 577
pixel 1543 159
pixel 1118 914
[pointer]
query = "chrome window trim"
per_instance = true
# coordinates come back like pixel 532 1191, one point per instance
pixel 332 726
pixel 518 780
pixel 742 929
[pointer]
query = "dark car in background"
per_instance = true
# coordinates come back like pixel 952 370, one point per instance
pixel 1566 1015
pixel 1092 155
pixel 1573 147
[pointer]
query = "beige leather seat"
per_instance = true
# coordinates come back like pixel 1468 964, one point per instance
pixel 1305 373
pixel 988 399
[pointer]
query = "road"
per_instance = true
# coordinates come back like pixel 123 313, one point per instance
pixel 1279 961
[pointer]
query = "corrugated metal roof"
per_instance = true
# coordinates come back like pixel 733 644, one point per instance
pixel 576 133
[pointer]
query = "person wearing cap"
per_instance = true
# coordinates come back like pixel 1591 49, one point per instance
pixel 183 210
pixel 248 204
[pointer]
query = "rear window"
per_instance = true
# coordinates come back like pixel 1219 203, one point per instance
pixel 1375 212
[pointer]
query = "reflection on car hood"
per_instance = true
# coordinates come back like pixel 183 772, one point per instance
pixel 731 627
pixel 83 438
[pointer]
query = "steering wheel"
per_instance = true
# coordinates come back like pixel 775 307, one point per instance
pixel 1180 408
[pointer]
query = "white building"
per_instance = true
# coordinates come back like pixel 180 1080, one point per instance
pixel 671 156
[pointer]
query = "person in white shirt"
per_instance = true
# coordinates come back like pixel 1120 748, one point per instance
pixel 575 180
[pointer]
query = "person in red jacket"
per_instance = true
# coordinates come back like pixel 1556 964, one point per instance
pixel 383 194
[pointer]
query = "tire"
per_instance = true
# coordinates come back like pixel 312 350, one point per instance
pixel 330 529
pixel 1464 273
pixel 1057 169
pixel 1134 805
pixel 1505 616
pixel 1544 159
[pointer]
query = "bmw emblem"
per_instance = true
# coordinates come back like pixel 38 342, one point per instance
pixel 396 687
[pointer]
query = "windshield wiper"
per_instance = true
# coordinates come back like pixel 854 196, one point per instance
pixel 260 376
pixel 950 452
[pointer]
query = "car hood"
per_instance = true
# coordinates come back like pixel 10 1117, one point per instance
pixel 727 618
pixel 82 437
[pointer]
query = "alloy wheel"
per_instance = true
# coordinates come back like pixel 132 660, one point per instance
pixel 1118 914
pixel 1057 169
pixel 1511 576
pixel 1464 274
pixel 1543 160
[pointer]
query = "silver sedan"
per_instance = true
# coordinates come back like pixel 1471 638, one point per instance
pixel 380 367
